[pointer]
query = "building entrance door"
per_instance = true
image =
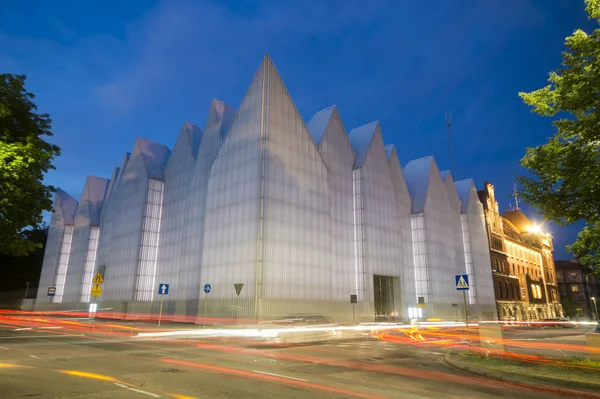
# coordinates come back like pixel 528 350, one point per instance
pixel 383 287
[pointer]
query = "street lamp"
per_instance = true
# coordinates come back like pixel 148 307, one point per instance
pixel 595 307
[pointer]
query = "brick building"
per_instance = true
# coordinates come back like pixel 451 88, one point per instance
pixel 523 268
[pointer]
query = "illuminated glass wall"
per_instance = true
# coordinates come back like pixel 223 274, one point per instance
pixel 477 257
pixel 90 265
pixel 329 134
pixel 437 238
pixel 146 269
pixel 404 244
pixel 58 249
pixel 178 173
pixel 87 216
pixel 137 196
pixel 188 281
pixel 378 219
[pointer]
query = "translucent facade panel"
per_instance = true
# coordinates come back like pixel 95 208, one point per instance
pixel 146 270
pixel 295 239
pixel 133 208
pixel 466 236
pixel 339 158
pixel 377 220
pixel 404 244
pixel 444 241
pixel 188 282
pixel 51 254
pixel 87 215
pixel 233 203
pixel 437 237
pixel 420 256
pixel 90 265
pixel 174 212
pixel 359 234
pixel 62 264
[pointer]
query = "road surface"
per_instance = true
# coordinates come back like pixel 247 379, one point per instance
pixel 54 361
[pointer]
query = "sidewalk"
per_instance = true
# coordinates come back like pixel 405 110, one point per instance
pixel 576 375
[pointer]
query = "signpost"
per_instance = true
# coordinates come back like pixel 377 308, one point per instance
pixel 462 284
pixel 163 289
pixel 353 301
pixel 238 288
pixel 96 292
pixel 206 291
pixel 51 291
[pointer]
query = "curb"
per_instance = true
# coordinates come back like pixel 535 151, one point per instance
pixel 590 390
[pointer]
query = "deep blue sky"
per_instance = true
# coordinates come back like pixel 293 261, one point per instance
pixel 109 71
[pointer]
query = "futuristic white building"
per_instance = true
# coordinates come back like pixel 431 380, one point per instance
pixel 303 215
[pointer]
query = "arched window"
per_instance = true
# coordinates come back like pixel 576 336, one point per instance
pixel 506 289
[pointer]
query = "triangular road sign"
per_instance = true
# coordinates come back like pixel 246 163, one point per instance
pixel 96 290
pixel 98 278
pixel 461 283
pixel 238 288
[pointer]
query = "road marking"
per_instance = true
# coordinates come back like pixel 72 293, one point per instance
pixel 279 375
pixel 144 392
pixel 35 357
pixel 42 336
pixel 22 329
pixel 121 385
pixel 3 347
pixel 49 328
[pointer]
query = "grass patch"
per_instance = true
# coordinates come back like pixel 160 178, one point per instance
pixel 578 371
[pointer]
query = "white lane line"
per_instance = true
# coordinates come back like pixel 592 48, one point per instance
pixel 34 356
pixel 121 385
pixel 3 347
pixel 279 375
pixel 22 329
pixel 144 392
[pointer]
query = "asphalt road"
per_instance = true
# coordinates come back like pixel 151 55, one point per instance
pixel 50 362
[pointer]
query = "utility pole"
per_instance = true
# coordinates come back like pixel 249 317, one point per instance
pixel 449 124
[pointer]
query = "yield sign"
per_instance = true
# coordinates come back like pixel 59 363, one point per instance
pixel 238 288
pixel 96 290
pixel 98 278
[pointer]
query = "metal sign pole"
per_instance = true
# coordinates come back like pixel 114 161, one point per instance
pixel 205 300
pixel 160 310
pixel 466 319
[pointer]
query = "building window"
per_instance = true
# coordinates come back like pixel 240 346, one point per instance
pixel 574 288
pixel 573 276
pixel 63 262
pixel 506 290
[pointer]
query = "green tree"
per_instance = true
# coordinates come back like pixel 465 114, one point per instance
pixel 24 158
pixel 565 185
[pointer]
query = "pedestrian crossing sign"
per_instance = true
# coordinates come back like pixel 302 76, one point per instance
pixel 462 282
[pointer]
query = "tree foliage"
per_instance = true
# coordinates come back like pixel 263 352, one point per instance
pixel 565 185
pixel 24 158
